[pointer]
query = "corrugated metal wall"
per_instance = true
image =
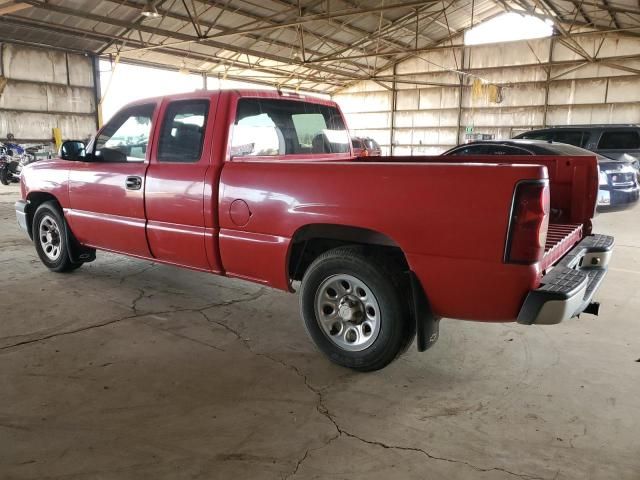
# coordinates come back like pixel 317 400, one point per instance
pixel 430 116
pixel 44 89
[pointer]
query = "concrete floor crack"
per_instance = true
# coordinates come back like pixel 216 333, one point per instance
pixel 136 314
pixel 324 411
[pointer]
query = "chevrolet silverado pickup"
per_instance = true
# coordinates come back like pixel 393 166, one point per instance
pixel 264 186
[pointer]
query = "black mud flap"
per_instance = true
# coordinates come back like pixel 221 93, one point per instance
pixel 427 324
pixel 78 253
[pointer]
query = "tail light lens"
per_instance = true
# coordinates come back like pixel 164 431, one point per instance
pixel 529 223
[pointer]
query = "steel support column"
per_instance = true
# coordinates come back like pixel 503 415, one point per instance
pixel 95 61
pixel 394 109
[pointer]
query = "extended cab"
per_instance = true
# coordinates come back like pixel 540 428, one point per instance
pixel 264 186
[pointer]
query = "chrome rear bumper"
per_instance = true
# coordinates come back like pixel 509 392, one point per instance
pixel 567 290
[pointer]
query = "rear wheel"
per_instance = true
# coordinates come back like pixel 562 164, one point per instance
pixel 354 310
pixel 4 175
pixel 50 239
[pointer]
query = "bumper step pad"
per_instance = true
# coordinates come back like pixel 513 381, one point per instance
pixel 567 290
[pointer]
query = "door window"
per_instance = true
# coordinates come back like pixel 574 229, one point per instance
pixel 126 136
pixel 182 132
pixel 620 140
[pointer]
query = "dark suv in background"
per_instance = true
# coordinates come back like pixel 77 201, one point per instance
pixel 619 142
pixel 618 179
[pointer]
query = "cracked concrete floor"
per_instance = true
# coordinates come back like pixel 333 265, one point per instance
pixel 127 370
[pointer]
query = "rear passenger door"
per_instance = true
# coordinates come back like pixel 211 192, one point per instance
pixel 178 195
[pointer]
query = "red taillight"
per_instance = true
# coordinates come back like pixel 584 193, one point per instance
pixel 529 223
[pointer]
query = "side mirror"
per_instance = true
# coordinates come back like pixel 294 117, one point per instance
pixel 73 150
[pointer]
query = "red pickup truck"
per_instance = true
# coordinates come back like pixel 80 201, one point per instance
pixel 263 186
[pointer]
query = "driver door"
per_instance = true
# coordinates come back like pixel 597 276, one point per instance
pixel 106 193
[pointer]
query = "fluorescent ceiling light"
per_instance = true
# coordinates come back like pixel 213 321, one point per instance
pixel 509 27
pixel 150 10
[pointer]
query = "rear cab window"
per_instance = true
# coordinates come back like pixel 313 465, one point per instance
pixel 268 127
pixel 619 140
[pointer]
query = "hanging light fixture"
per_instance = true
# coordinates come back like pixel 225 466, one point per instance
pixel 183 70
pixel 150 10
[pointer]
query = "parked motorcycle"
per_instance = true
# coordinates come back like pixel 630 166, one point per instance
pixel 13 157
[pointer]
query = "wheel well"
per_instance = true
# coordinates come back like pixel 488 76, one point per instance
pixel 35 199
pixel 313 240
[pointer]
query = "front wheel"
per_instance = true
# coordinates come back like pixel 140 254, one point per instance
pixel 50 238
pixel 354 310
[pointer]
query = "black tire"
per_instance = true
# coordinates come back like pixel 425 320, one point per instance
pixel 4 175
pixel 384 280
pixel 49 217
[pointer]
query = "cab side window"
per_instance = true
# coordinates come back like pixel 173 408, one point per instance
pixel 182 132
pixel 126 136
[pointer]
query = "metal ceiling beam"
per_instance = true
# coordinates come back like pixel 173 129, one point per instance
pixel 388 23
pixel 125 31
pixel 344 26
pixel 261 38
pixel 180 36
pixel 212 25
pixel 611 8
pixel 86 34
pixel 170 14
pixel 305 19
pixel 363 42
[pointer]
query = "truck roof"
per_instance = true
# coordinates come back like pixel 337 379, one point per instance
pixel 585 126
pixel 239 93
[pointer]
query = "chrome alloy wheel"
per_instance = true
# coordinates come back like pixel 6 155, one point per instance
pixel 348 312
pixel 50 238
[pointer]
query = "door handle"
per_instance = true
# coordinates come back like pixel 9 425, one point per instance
pixel 134 183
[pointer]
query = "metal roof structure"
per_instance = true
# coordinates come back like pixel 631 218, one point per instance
pixel 314 45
